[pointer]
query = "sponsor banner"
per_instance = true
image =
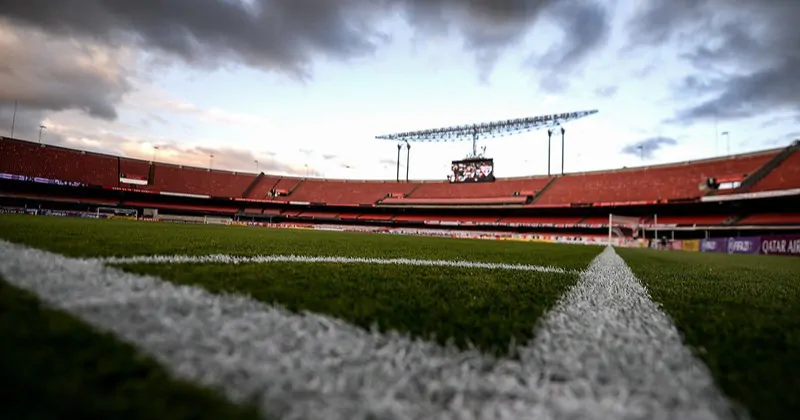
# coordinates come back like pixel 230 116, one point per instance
pixel 714 245
pixel 174 194
pixel 675 245
pixel 781 244
pixel 745 245
pixel 692 245
pixel 12 210
pixel 134 190
pixel 133 181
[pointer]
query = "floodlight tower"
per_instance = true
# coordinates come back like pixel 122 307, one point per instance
pixel 493 129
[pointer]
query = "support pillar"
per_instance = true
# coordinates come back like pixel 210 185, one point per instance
pixel 408 159
pixel 562 150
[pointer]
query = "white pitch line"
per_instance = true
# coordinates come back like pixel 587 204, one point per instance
pixel 262 259
pixel 605 352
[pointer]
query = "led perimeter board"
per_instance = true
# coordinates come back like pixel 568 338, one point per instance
pixel 472 170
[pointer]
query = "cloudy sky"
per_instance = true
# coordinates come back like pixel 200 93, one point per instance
pixel 304 86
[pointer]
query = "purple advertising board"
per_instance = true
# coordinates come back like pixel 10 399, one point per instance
pixel 714 245
pixel 745 245
pixel 781 244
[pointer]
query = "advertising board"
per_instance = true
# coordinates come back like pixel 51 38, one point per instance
pixel 744 245
pixel 781 245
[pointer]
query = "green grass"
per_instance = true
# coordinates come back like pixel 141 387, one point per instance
pixel 93 238
pixel 488 308
pixel 53 366
pixel 741 314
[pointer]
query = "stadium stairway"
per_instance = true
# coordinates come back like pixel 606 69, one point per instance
pixel 543 190
pixel 733 220
pixel 252 185
pixel 296 187
pixel 413 189
pixel 768 167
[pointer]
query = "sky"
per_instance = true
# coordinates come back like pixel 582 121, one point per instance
pixel 304 86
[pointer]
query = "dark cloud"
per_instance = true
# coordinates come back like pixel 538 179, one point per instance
pixel 751 48
pixel 43 73
pixel 287 35
pixel 647 147
pixel 585 28
pixel 274 34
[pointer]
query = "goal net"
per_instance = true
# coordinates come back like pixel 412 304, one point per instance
pixel 622 227
pixel 117 213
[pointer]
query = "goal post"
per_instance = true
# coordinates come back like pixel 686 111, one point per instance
pixel 118 212
pixel 622 226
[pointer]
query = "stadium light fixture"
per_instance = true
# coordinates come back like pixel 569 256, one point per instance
pixel 562 149
pixel 727 142
pixel 408 159
pixel 399 146
pixel 475 132
pixel 41 127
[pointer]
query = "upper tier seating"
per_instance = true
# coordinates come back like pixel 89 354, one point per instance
pixel 31 159
pixel 676 181
pixel 198 181
pixel 785 176
pixel 138 169
pixel 265 184
pixel 287 185
pixel 498 188
pixel 455 201
pixel 771 219
pixel 347 192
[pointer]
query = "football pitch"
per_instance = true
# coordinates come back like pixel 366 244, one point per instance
pixel 125 319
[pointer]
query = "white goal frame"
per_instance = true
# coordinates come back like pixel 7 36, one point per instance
pixel 118 211
pixel 617 222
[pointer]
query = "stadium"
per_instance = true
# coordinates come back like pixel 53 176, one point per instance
pixel 262 296
pixel 163 254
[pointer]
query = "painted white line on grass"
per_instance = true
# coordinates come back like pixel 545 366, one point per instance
pixel 261 259
pixel 607 333
pixel 594 358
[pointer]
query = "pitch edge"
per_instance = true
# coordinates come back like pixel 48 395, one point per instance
pixel 605 351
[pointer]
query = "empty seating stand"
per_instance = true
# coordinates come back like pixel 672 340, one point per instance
pixel 666 182
pixel 347 192
pixel 133 168
pixel 261 190
pixel 187 180
pixel 771 219
pixel 785 176
pixel 498 188
pixel 44 161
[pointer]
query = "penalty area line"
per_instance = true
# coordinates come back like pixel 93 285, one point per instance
pixel 264 259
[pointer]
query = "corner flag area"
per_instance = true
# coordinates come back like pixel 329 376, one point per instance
pixel 127 319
